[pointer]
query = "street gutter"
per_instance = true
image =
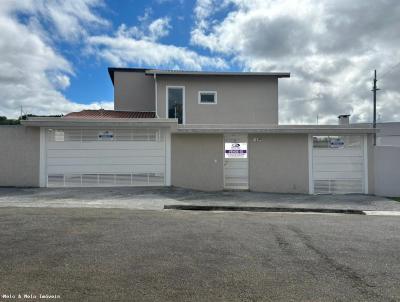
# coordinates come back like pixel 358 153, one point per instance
pixel 262 209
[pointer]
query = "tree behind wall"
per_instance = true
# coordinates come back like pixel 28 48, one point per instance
pixel 5 121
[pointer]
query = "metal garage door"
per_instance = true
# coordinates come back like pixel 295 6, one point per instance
pixel 338 164
pixel 111 157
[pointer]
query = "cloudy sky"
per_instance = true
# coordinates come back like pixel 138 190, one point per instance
pixel 54 54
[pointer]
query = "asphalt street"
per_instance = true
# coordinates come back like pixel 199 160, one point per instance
pixel 155 198
pixel 92 254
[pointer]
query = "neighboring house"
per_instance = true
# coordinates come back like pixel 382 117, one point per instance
pixel 200 130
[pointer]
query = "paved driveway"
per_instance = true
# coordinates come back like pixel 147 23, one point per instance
pixel 156 198
pixel 128 255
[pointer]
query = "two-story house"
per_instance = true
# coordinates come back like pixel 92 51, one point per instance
pixel 201 130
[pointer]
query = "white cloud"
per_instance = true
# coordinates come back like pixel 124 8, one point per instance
pixel 68 19
pixel 149 31
pixel 32 72
pixel 61 80
pixel 180 2
pixel 139 46
pixel 159 28
pixel 331 49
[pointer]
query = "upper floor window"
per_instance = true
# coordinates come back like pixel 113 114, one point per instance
pixel 207 97
pixel 176 102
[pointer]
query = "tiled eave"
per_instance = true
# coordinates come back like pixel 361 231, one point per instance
pixel 113 122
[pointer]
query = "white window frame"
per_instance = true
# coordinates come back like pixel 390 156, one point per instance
pixel 43 157
pixel 183 102
pixel 366 179
pixel 310 164
pixel 207 92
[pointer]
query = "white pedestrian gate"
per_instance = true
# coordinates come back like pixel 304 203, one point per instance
pixel 339 164
pixel 105 157
pixel 236 167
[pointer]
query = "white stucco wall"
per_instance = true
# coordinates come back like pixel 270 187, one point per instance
pixel 19 156
pixel 133 91
pixel 241 100
pixel 387 170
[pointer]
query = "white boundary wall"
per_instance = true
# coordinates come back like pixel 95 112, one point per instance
pixel 387 170
pixel 19 156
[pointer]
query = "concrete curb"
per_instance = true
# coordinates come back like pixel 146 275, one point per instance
pixel 261 209
pixel 382 213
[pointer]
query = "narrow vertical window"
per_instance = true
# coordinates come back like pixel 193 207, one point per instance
pixel 175 103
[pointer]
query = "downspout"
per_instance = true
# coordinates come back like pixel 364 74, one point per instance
pixel 155 93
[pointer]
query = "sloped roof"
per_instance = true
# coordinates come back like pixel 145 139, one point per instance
pixel 107 114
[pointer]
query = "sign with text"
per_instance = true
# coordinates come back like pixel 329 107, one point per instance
pixel 106 135
pixel 336 143
pixel 235 150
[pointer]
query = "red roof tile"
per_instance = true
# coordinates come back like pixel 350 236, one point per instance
pixel 106 114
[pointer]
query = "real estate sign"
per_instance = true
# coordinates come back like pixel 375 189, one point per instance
pixel 235 150
pixel 336 143
pixel 106 135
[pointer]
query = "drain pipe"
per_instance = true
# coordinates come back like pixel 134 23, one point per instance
pixel 155 93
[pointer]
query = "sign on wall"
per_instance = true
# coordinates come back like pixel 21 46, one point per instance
pixel 106 135
pixel 235 150
pixel 336 143
pixel 59 135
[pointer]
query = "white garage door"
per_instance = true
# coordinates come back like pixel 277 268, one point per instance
pixel 105 157
pixel 338 164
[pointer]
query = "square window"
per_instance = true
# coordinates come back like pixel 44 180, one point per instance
pixel 207 97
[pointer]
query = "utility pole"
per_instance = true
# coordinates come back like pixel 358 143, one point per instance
pixel 374 90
